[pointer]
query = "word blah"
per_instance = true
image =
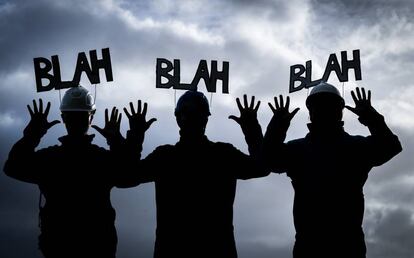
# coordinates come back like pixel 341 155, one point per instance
pixel 296 71
pixel 50 70
pixel 164 67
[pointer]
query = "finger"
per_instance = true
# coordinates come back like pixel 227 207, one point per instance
pixel 113 117
pixel 100 130
pixel 287 102
pixel 235 118
pixel 131 106
pixel 276 102
pixel 245 101
pixel 358 93
pixel 353 110
pixel 252 103
pixel 239 104
pixel 139 107
pixel 354 97
pixel 257 106
pixel 271 107
pixel 119 120
pixel 294 112
pixel 35 107
pixel 144 109
pixel 369 97
pixel 116 115
pixel 40 105
pixel 53 123
pixel 47 109
pixel 127 113
pixel 30 110
pixel 281 101
pixel 149 123
pixel 106 116
pixel 364 96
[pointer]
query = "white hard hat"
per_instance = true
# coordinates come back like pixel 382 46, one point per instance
pixel 77 99
pixel 324 88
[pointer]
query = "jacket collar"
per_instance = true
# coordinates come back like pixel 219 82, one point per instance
pixel 325 132
pixel 187 143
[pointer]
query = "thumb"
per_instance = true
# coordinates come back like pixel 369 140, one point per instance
pixel 353 110
pixel 294 112
pixel 100 130
pixel 53 123
pixel 235 118
pixel 149 122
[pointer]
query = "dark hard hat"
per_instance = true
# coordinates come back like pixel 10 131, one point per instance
pixel 192 101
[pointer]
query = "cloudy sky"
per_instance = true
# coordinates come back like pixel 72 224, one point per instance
pixel 261 40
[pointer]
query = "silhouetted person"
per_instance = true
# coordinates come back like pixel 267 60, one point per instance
pixel 328 169
pixel 195 180
pixel 76 178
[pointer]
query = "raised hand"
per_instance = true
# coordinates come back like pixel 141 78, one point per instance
pixel 38 124
pixel 281 114
pixel 363 108
pixel 248 113
pixel 111 130
pixel 137 121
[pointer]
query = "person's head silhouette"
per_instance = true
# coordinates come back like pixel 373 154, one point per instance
pixel 77 109
pixel 192 112
pixel 325 104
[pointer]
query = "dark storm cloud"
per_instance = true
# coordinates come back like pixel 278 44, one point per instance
pixel 38 28
pixel 362 12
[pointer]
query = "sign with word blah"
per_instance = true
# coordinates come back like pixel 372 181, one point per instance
pixel 164 67
pixel 50 70
pixel 297 71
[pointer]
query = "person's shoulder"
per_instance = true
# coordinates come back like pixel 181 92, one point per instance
pixel 297 142
pixel 98 148
pixel 164 149
pixel 224 147
pixel 49 149
pixel 162 153
pixel 355 138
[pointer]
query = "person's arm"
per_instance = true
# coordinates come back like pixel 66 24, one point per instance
pixel 22 155
pixel 248 166
pixel 276 154
pixel 138 125
pixel 126 153
pixel 382 144
pixel 119 160
pixel 250 125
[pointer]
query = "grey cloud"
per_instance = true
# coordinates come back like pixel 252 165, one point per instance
pixel 358 12
pixel 17 242
pixel 248 250
pixel 392 235
pixel 39 28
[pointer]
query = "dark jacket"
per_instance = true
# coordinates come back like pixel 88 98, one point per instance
pixel 328 170
pixel 195 189
pixel 76 178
